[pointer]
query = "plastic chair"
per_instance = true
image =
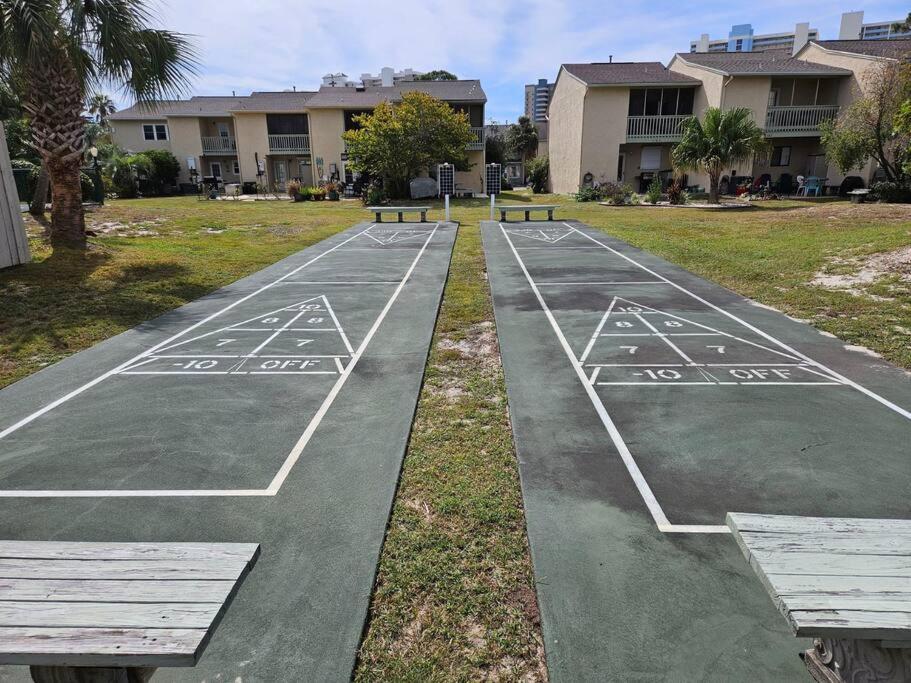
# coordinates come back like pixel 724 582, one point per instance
pixel 811 185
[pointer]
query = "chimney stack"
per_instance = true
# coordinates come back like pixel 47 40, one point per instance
pixel 387 74
pixel 801 36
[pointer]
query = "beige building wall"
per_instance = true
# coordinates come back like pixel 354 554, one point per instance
pixel 129 135
pixel 603 131
pixel 326 144
pixel 709 94
pixel 472 179
pixel 566 112
pixel 252 139
pixel 186 144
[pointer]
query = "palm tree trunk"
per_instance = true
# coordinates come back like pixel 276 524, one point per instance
pixel 39 199
pixel 713 189
pixel 67 215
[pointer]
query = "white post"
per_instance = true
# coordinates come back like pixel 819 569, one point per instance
pixel 493 201
pixel 446 201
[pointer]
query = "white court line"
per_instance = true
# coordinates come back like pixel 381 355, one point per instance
pixel 626 282
pixel 765 335
pixel 597 332
pixel 351 282
pixel 291 458
pixel 644 489
pixel 675 383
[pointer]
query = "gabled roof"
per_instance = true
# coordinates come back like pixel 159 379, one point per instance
pixel 893 48
pixel 195 106
pixel 277 101
pixel 370 96
pixel 627 73
pixel 768 63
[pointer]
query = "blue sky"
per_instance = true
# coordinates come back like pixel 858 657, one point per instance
pixel 273 44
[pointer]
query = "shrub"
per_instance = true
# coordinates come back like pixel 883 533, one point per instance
pixel 890 192
pixel 676 194
pixel 589 193
pixel 293 188
pixel 317 193
pixel 618 194
pixel 505 185
pixel 31 178
pixel 375 195
pixel 162 169
pixel 305 193
pixel 653 193
pixel 537 171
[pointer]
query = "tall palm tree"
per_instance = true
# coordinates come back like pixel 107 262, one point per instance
pixel 100 106
pixel 61 49
pixel 720 140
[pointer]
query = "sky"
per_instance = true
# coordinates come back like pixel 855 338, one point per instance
pixel 247 45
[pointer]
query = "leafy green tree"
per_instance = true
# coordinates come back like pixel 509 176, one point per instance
pixel 60 50
pixel 537 171
pixel 437 75
pixel 522 138
pixel 721 140
pixel 872 127
pixel 495 147
pixel 398 141
pixel 101 107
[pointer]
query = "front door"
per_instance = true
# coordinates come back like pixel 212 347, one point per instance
pixel 215 167
pixel 305 170
pixel 280 170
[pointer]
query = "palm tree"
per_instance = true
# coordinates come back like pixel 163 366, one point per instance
pixel 100 106
pixel 720 140
pixel 60 50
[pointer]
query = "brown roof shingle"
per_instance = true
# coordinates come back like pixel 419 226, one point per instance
pixel 626 73
pixel 771 62
pixel 451 91
pixel 894 48
pixel 199 105
pixel 276 101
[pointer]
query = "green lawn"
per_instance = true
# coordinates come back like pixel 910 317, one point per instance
pixel 454 598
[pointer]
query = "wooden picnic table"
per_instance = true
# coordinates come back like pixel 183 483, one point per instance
pixel 99 612
pixel 844 582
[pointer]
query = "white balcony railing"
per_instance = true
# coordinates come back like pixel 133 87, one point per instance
pixel 798 120
pixel 654 128
pixel 289 144
pixel 220 143
pixel 478 142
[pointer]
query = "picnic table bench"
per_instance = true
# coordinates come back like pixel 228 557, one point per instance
pixel 400 210
pixel 527 209
pixel 859 195
pixel 844 582
pixel 100 612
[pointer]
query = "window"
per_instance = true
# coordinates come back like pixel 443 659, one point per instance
pixel 650 159
pixel 738 47
pixel 652 101
pixel 287 124
pixel 215 167
pixel 620 163
pixel 781 156
pixel 669 101
pixel 155 131
pixel 666 101
pixel 773 97
pixel 685 103
pixel 636 102
pixel 235 167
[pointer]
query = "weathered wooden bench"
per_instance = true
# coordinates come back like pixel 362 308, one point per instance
pixel 400 210
pixel 105 612
pixel 844 582
pixel 527 209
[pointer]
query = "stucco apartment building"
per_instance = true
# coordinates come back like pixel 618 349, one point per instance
pixel 283 135
pixel 619 121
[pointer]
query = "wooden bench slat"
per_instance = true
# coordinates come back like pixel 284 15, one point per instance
pixel 743 522
pixel 79 590
pixel 65 550
pixel 846 543
pixel 879 602
pixel 833 564
pixel 108 614
pixel 122 569
pixel 847 624
pixel 101 647
pixel 528 207
pixel 799 584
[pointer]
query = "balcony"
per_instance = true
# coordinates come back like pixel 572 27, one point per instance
pixel 478 142
pixel 219 144
pixel 654 128
pixel 793 121
pixel 289 144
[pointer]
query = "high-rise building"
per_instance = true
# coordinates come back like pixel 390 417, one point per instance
pixel 386 77
pixel 537 97
pixel 854 28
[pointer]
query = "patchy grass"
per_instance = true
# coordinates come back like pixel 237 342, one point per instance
pixel 454 598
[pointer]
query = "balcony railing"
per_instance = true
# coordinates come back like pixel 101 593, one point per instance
pixel 654 128
pixel 783 121
pixel 220 143
pixel 289 144
pixel 478 142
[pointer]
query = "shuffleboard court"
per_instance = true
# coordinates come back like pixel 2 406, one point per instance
pixel 647 403
pixel 274 411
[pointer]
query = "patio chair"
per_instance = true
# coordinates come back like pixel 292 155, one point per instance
pixel 811 184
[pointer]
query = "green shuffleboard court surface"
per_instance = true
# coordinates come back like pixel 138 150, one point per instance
pixel 273 411
pixel 646 403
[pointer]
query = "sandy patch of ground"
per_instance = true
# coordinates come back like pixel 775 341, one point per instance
pixel 480 344
pixel 866 271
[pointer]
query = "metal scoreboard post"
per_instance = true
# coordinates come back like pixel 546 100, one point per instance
pixel 494 179
pixel 446 179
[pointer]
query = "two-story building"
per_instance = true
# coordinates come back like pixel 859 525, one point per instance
pixel 619 121
pixel 272 137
